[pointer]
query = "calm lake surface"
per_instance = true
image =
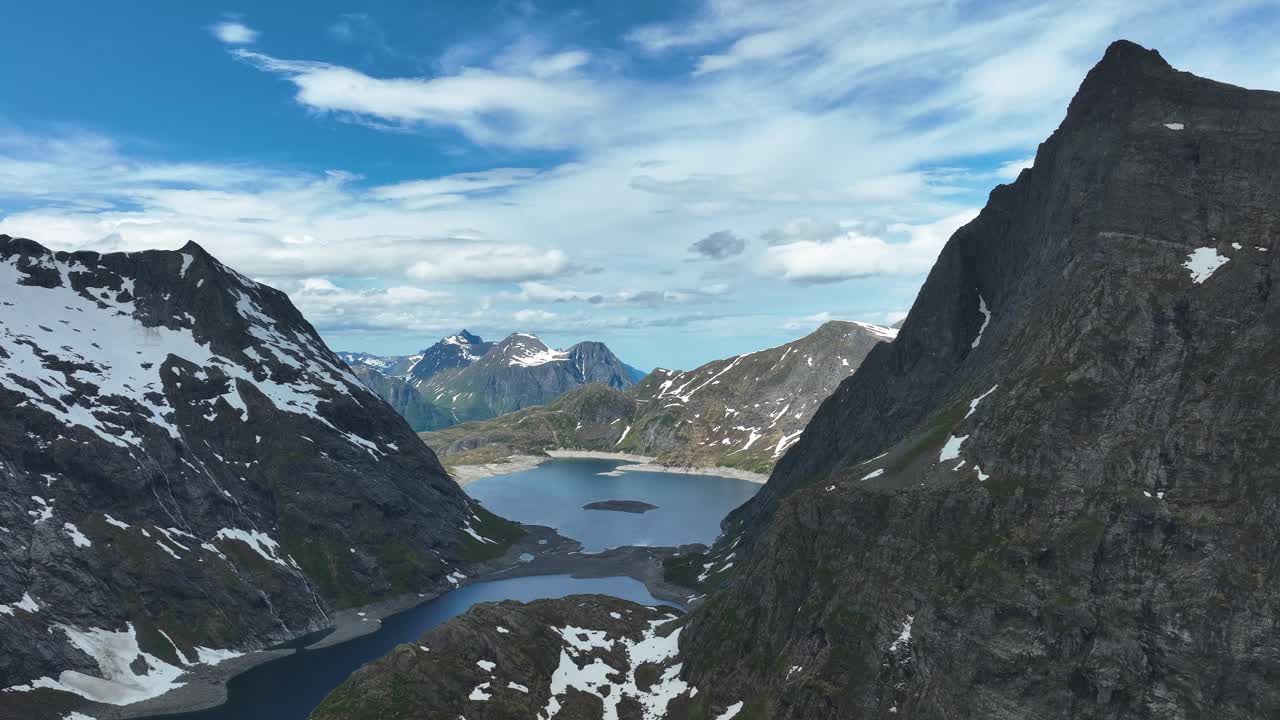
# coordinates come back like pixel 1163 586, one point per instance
pixel 690 508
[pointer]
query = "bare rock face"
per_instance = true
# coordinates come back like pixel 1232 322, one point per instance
pixel 741 412
pixel 1054 495
pixel 187 472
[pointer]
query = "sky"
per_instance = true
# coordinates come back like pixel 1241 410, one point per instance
pixel 681 180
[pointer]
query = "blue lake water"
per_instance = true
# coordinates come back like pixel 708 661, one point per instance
pixel 690 508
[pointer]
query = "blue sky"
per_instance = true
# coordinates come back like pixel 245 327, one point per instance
pixel 683 180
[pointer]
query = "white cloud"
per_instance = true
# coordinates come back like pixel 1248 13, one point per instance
pixel 532 316
pixel 451 188
pixel 1010 170
pixel 489 107
pixel 233 32
pixel 809 322
pixel 854 253
pixel 461 263
pixel 541 292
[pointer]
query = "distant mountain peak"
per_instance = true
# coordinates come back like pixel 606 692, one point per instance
pixel 463 338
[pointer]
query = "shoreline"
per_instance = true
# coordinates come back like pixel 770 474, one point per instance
pixel 206 687
pixel 466 474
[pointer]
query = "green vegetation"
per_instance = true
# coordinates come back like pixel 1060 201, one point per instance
pixel 683 570
pixel 503 533
pixel 933 436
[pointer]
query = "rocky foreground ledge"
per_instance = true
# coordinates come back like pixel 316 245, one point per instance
pixel 583 656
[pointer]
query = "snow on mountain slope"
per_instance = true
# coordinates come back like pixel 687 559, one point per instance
pixel 744 411
pixel 186 471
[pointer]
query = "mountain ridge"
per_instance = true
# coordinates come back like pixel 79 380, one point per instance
pixel 190 474
pixel 740 412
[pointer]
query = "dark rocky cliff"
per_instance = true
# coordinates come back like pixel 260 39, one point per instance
pixel 186 470
pixel 1055 494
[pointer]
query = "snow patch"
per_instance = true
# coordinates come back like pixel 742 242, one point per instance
pixel 904 635
pixel 986 318
pixel 260 542
pixel 951 450
pixel 1203 262
pixel 973 404
pixel 731 711
pixel 77 537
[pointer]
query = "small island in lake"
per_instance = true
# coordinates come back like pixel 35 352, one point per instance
pixel 630 506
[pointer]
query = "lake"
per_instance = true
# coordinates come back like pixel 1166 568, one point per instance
pixel 690 508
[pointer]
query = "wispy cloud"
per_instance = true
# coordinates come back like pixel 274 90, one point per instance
pixel 538 108
pixel 234 32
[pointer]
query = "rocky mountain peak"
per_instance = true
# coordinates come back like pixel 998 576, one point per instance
pixel 464 338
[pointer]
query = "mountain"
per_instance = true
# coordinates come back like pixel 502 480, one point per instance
pixel 464 378
pixel 741 412
pixel 1054 494
pixel 403 398
pixel 636 373
pixel 451 353
pixel 520 371
pixel 189 474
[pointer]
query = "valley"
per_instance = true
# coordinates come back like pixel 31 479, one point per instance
pixel 958 328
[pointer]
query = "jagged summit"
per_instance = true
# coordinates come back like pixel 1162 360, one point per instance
pixel 1053 453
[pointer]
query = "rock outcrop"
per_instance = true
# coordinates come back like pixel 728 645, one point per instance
pixel 580 657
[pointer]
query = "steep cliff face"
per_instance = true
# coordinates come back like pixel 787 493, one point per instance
pixel 186 471
pixel 1055 494
pixel 741 412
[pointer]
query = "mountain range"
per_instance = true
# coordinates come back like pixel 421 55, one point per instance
pixel 1053 495
pixel 740 412
pixel 463 378
pixel 187 473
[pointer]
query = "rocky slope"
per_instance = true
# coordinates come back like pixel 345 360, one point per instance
pixel 586 656
pixel 404 399
pixel 1054 495
pixel 741 412
pixel 188 473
